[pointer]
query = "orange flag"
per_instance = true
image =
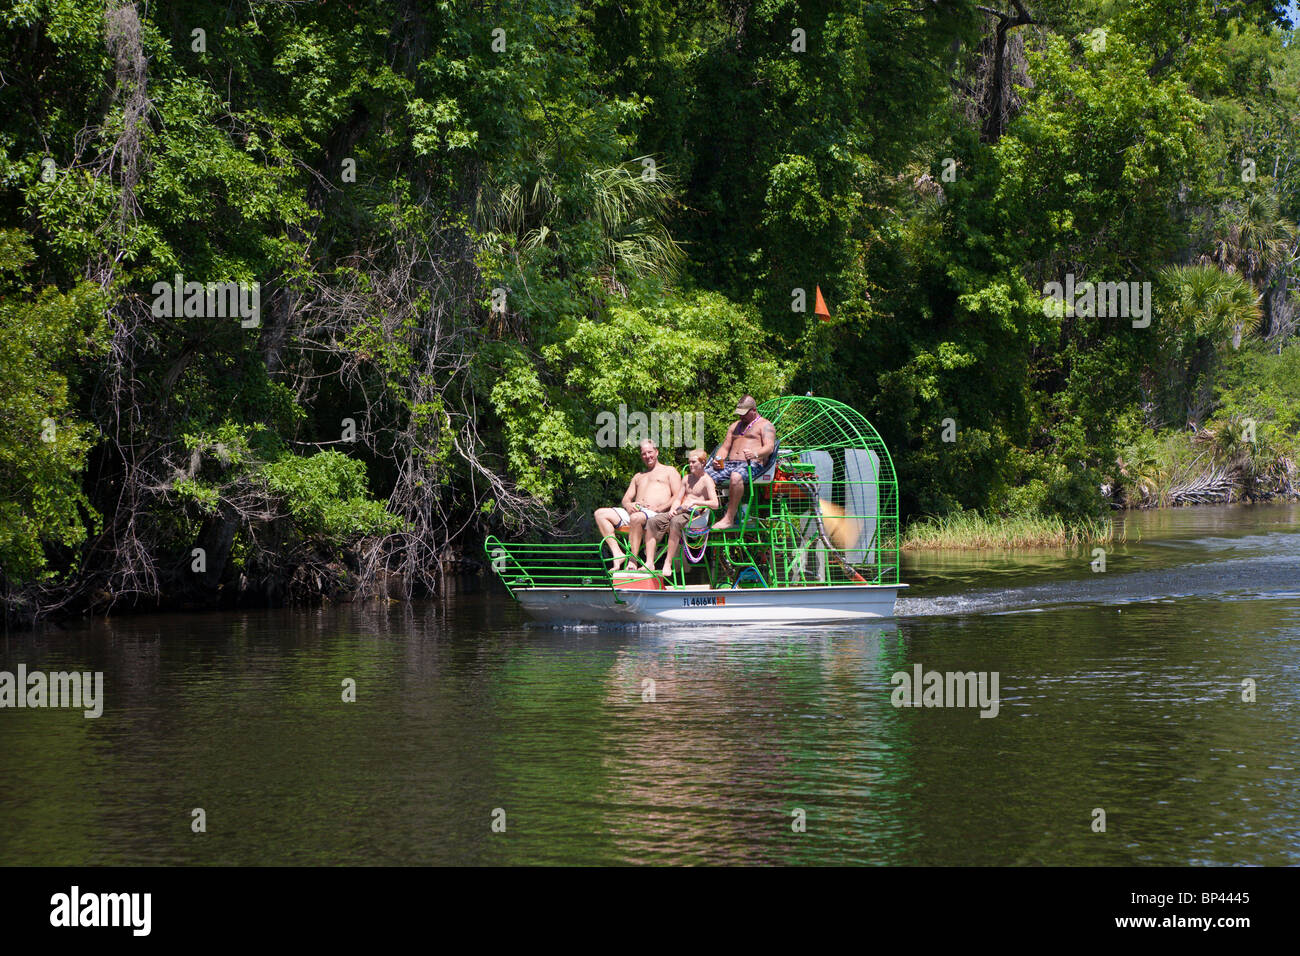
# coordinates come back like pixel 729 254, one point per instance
pixel 820 308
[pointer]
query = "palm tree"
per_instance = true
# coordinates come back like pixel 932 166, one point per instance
pixel 632 209
pixel 1202 309
pixel 1258 242
pixel 1143 470
pixel 1205 301
pixel 628 208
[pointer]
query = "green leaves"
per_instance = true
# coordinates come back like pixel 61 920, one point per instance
pixel 1203 301
pixel 327 496
pixel 647 182
pixel 1098 159
pixel 47 341
pixel 676 354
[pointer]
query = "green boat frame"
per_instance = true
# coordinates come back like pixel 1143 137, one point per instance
pixel 816 539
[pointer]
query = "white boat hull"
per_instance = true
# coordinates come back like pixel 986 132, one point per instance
pixel 709 606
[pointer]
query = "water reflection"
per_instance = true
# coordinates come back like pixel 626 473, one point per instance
pixel 1120 690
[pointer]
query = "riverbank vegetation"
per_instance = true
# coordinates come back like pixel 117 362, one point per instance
pixel 967 530
pixel 1057 241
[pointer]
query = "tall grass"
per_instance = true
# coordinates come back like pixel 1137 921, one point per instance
pixel 968 530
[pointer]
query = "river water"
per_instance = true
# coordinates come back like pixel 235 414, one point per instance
pixel 1120 691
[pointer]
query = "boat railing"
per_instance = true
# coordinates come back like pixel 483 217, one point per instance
pixel 557 564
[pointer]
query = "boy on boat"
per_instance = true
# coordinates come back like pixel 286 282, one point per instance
pixel 697 489
pixel 747 447
pixel 650 492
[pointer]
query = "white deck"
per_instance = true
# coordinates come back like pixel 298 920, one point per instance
pixel 701 604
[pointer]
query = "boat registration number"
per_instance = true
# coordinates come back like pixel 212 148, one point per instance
pixel 717 601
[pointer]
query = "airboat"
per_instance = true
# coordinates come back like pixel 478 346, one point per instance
pixel 816 541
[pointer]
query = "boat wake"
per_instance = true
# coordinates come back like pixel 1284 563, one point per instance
pixel 1249 578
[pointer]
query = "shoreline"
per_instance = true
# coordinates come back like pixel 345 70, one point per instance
pixel 967 532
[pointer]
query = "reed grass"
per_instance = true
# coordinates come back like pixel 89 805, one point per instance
pixel 968 531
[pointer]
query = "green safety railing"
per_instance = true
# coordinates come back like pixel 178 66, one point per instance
pixel 552 564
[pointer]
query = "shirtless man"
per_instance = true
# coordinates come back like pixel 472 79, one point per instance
pixel 748 445
pixel 650 492
pixel 697 489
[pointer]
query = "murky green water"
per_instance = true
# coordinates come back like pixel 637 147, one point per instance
pixel 1119 690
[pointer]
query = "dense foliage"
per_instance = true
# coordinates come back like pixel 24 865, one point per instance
pixel 457 233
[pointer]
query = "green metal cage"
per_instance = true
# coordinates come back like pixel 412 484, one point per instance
pixel 830 507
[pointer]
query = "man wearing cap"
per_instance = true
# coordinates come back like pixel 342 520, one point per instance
pixel 746 449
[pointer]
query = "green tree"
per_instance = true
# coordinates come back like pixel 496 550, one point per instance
pixel 48 339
